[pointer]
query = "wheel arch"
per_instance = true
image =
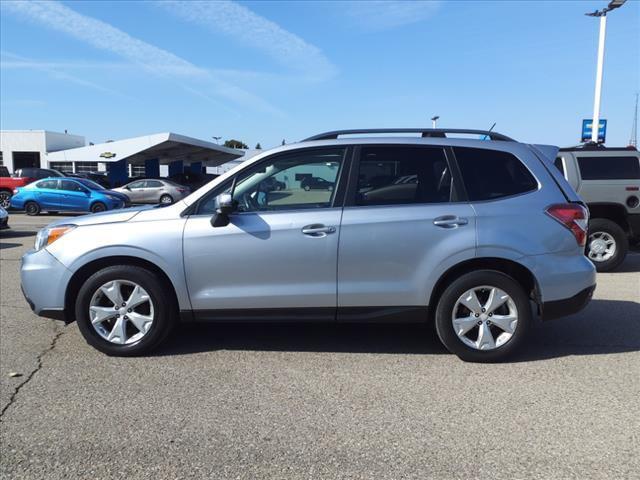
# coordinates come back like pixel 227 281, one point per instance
pixel 613 212
pixel 83 273
pixel 513 269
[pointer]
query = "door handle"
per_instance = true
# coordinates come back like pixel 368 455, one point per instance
pixel 318 230
pixel 450 221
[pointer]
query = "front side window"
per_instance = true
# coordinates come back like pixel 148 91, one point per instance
pixel 50 184
pixel 490 174
pixel 71 186
pixel 389 175
pixel 609 168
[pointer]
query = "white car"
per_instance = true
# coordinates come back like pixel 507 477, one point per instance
pixel 4 219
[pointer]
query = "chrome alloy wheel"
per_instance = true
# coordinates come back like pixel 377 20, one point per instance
pixel 602 246
pixel 121 312
pixel 484 318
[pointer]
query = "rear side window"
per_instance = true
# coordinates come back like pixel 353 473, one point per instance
pixel 153 184
pixel 559 165
pixel 403 175
pixel 51 184
pixel 609 168
pixel 491 174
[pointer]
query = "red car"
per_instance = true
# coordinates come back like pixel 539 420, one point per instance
pixel 23 176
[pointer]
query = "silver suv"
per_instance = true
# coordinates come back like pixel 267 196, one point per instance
pixel 608 180
pixel 480 235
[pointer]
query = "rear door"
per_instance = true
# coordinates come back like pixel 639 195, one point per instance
pixel 47 194
pixel 152 191
pixel 401 227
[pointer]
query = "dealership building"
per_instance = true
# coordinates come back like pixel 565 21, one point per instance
pixel 160 154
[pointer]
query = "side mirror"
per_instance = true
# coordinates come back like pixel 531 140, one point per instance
pixel 225 207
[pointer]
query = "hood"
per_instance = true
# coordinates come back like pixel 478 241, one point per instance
pixel 118 195
pixel 110 216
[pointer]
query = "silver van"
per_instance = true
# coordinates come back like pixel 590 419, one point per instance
pixel 480 235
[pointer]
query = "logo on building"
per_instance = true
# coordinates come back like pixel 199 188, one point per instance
pixel 107 155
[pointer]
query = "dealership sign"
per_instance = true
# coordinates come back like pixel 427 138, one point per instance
pixel 107 155
pixel 587 129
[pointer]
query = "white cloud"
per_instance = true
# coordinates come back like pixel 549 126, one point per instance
pixel 247 27
pixel 103 36
pixel 12 61
pixel 387 14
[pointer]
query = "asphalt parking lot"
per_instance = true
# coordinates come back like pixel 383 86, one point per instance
pixel 278 401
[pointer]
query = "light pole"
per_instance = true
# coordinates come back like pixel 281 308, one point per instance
pixel 595 125
pixel 434 120
pixel 217 139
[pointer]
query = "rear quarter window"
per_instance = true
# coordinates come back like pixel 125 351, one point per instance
pixel 609 168
pixel 491 174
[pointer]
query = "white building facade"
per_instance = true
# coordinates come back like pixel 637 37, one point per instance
pixel 29 148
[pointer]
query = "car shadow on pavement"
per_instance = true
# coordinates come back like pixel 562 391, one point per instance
pixel 6 245
pixel 604 327
pixel 631 264
pixel 15 234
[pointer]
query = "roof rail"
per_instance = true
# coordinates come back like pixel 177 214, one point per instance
pixel 426 132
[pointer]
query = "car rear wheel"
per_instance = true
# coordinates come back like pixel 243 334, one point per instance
pixel 607 244
pixel 5 199
pixel 124 310
pixel 166 199
pixel 32 208
pixel 98 207
pixel 483 316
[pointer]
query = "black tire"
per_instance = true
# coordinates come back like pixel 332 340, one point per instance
pixel 5 199
pixel 166 199
pixel 621 242
pixel 447 302
pixel 98 207
pixel 161 296
pixel 32 208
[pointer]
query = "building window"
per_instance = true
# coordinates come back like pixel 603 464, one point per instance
pixel 86 167
pixel 137 171
pixel 64 167
pixel 1 162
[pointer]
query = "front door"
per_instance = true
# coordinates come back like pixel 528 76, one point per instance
pixel 278 255
pixel 401 227
pixel 75 197
pixel 135 191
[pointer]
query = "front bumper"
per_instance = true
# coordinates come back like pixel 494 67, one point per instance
pixel 567 306
pixel 43 282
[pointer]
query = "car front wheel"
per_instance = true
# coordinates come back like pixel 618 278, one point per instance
pixel 124 310
pixel 607 244
pixel 483 316
pixel 5 199
pixel 98 207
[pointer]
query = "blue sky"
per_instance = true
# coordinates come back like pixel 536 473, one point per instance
pixel 264 71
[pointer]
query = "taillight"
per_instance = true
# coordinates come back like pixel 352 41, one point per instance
pixel 183 190
pixel 573 216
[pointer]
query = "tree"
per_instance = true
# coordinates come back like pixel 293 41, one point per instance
pixel 235 144
pixel 258 146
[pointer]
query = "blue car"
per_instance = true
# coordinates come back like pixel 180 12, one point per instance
pixel 66 194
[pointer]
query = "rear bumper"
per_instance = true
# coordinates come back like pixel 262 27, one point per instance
pixel 567 306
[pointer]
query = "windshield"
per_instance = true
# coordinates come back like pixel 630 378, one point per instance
pixel 90 184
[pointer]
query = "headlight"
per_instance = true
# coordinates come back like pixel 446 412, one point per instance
pixel 48 235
